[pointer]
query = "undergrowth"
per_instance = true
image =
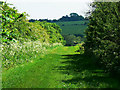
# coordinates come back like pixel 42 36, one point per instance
pixel 18 53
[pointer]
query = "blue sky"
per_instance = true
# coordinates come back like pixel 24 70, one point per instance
pixel 51 9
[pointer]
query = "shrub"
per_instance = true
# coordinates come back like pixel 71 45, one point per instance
pixel 103 34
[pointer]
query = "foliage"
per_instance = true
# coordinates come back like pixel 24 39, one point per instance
pixel 16 53
pixel 9 17
pixel 53 31
pixel 72 17
pixel 17 30
pixel 72 40
pixel 103 34
pixel 17 27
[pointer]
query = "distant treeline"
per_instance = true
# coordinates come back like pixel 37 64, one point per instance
pixel 71 17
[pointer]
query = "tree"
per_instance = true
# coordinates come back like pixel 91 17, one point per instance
pixel 74 15
pixel 72 40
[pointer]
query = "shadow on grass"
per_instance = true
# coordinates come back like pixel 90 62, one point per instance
pixel 85 72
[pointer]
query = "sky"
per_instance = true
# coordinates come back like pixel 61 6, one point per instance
pixel 51 9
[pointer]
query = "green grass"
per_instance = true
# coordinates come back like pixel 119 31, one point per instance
pixel 73 27
pixel 60 67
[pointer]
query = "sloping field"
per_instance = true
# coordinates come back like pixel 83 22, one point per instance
pixel 73 27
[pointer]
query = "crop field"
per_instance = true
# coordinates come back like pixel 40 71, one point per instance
pixel 73 27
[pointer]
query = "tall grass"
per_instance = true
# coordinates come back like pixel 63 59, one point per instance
pixel 18 53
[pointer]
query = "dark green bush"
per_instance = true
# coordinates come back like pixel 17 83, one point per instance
pixel 103 34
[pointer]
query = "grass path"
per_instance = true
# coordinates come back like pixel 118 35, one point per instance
pixel 61 67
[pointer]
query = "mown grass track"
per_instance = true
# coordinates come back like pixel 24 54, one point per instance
pixel 61 67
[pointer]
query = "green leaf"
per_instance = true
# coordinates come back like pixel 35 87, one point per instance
pixel 10 16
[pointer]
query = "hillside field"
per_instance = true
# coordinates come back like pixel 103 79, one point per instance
pixel 73 27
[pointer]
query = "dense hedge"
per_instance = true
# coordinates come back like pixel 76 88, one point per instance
pixel 16 27
pixel 24 41
pixel 103 34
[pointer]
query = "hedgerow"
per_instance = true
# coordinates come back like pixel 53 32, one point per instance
pixel 103 34
pixel 22 40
